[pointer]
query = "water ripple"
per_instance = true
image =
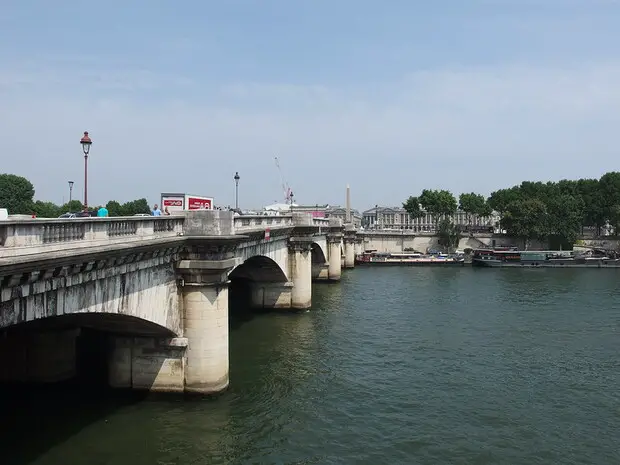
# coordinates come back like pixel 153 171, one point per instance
pixel 401 366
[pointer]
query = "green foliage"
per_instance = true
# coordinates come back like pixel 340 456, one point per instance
pixel 412 206
pixel 114 208
pixel 71 207
pixel 135 206
pixel 16 194
pixel 448 235
pixel 554 211
pixel 438 203
pixel 500 199
pixel 46 209
pixel 526 218
pixel 474 204
pixel 564 217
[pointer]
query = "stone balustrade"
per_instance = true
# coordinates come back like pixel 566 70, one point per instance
pixel 32 236
pixel 248 223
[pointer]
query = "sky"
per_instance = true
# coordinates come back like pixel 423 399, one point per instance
pixel 391 97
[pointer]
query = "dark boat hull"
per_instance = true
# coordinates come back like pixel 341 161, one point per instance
pixel 548 264
pixel 410 263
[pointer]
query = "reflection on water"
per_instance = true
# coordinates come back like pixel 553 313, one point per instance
pixel 391 366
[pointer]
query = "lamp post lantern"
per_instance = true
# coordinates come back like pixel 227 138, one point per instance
pixel 70 191
pixel 86 143
pixel 236 178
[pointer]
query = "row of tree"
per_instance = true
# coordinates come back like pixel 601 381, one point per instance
pixel 17 195
pixel 555 211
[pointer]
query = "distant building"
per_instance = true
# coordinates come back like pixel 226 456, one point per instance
pixel 330 211
pixel 341 212
pixel 398 218
pixel 317 211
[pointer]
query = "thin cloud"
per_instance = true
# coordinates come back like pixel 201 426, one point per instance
pixel 467 128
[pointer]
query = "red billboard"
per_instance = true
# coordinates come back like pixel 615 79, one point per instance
pixel 199 203
pixel 173 202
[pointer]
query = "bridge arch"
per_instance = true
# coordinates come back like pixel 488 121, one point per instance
pixel 319 256
pixel 80 347
pixel 258 283
pixel 116 323
pixel 259 268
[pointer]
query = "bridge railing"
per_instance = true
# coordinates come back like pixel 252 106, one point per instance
pixel 25 237
pixel 33 236
pixel 246 223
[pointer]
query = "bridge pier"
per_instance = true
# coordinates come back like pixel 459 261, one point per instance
pixel 147 363
pixel 334 242
pixel 271 295
pixel 359 245
pixel 205 304
pixel 300 260
pixel 320 271
pixel 349 253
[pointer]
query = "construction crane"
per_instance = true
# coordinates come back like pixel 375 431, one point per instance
pixel 288 193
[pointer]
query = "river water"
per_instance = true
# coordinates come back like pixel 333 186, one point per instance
pixel 392 365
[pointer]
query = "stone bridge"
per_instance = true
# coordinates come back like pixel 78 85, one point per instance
pixel 154 290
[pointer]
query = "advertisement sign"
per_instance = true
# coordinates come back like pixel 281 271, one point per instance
pixel 173 203
pixel 199 203
pixel 267 234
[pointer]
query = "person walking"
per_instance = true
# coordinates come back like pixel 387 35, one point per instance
pixel 102 212
pixel 156 211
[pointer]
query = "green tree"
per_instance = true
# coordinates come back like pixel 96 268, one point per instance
pixel 46 209
pixel 590 193
pixel 609 188
pixel 16 194
pixel 500 199
pixel 135 207
pixel 448 235
pixel 485 210
pixel 114 208
pixel 565 217
pixel 412 207
pixel 526 219
pixel 71 207
pixel 438 203
pixel 472 204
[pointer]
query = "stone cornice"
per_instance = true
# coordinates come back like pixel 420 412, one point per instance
pixel 28 263
pixel 53 275
pixel 300 243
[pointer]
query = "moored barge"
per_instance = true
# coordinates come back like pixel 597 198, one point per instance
pixel 514 258
pixel 408 259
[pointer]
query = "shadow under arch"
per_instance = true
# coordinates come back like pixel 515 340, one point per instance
pixel 46 413
pixel 243 279
pixel 259 269
pixel 117 323
pixel 318 255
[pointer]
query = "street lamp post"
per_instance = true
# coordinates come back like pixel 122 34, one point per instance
pixel 86 143
pixel 236 178
pixel 70 191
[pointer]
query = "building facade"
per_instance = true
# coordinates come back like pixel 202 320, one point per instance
pixel 330 211
pixel 341 212
pixel 398 218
